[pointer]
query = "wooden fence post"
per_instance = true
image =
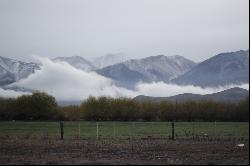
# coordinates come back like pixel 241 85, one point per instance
pixel 173 130
pixel 61 127
pixel 97 130
pixel 79 130
pixel 114 134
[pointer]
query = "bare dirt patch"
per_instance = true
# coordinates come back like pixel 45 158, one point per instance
pixel 116 152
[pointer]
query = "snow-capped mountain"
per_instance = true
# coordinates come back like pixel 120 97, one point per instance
pixel 109 59
pixel 77 62
pixel 154 68
pixel 161 68
pixel 222 69
pixel 13 70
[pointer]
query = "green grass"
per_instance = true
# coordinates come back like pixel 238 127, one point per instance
pixel 122 129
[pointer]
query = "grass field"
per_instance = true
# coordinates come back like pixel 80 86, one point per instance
pixel 72 130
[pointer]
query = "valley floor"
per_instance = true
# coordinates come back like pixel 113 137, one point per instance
pixel 122 151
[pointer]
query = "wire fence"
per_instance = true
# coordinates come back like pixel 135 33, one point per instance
pixel 125 130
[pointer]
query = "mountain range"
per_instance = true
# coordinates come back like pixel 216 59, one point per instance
pixel 230 95
pixel 222 69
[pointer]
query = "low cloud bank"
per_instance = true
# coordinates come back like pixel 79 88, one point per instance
pixel 67 83
pixel 161 89
pixel 11 93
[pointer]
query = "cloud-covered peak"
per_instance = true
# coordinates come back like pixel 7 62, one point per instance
pixel 77 62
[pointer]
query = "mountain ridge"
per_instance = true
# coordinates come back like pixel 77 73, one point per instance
pixel 222 69
pixel 77 62
pixel 109 59
pixel 235 94
pixel 149 69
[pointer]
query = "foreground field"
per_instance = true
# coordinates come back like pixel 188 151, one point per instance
pixel 124 143
pixel 158 151
pixel 118 130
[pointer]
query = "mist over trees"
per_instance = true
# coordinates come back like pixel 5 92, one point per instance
pixel 41 106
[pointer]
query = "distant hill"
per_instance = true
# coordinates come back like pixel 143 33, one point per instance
pixel 230 95
pixel 222 69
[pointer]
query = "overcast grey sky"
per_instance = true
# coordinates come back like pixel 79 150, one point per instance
pixel 195 29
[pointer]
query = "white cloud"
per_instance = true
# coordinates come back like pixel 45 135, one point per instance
pixel 244 86
pixel 161 89
pixel 67 83
pixel 11 93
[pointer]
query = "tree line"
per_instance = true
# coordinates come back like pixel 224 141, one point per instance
pixel 41 106
pixel 38 106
